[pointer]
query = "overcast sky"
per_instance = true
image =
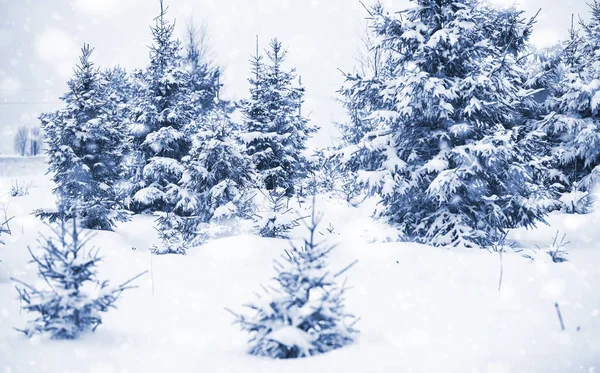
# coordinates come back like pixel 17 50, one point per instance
pixel 40 41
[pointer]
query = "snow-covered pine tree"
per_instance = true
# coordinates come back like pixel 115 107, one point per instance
pixel 217 172
pixel 570 116
pixel 275 129
pixel 325 175
pixel 85 144
pixel 176 233
pixel 330 179
pixel 119 92
pixel 275 217
pixel 119 84
pixel 443 150
pixel 163 115
pixel 541 76
pixel 360 97
pixel 303 313
pixel 72 299
pixel 214 185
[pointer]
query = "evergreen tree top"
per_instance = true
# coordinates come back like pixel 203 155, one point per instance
pixel 452 61
pixel 445 37
pixel 275 99
pixel 592 28
pixel 84 85
pixel 275 130
pixel 165 48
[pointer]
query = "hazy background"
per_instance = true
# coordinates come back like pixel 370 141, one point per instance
pixel 40 41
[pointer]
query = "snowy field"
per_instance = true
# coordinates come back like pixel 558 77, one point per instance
pixel 422 309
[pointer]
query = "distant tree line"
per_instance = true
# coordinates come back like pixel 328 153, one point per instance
pixel 28 141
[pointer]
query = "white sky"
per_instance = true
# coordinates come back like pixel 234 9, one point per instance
pixel 40 41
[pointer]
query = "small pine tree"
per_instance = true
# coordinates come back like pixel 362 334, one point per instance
pixel 85 147
pixel 303 313
pixel 73 298
pixel 277 218
pixel 275 130
pixel 329 177
pixel 177 234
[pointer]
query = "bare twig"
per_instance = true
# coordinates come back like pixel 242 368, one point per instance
pixel 499 247
pixel 560 319
pixel 346 268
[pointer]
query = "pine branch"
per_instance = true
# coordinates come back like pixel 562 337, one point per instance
pixel 346 268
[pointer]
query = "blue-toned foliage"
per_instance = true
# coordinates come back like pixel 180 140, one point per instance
pixel 302 313
pixel 568 113
pixel 437 133
pixel 85 144
pixel 72 300
pixel 275 131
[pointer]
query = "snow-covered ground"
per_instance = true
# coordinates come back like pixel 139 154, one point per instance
pixel 422 309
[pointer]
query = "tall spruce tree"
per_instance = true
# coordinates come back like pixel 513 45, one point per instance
pixel 85 147
pixel 443 151
pixel 373 67
pixel 275 130
pixel 163 117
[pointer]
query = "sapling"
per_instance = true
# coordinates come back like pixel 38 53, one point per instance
pixel 556 250
pixel 72 299
pixel 500 247
pixel 302 313
pixel 176 233
pixel 277 219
